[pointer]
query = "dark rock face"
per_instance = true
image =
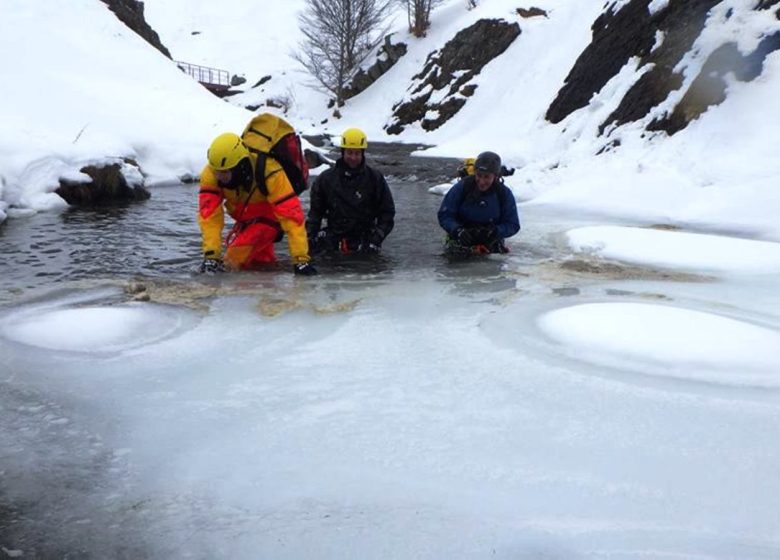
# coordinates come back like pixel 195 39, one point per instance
pixel 681 22
pixel 108 186
pixel 387 56
pixel 261 81
pixel 451 68
pixel 616 38
pixel 709 87
pixel 131 13
pixel 631 32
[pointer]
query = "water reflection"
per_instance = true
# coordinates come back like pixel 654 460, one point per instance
pixel 151 238
pixel 97 215
pixel 363 265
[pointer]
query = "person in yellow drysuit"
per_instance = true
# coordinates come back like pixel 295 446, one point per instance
pixel 228 182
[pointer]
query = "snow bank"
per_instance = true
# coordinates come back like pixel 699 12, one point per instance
pixel 674 249
pixel 684 343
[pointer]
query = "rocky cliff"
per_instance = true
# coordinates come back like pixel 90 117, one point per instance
pixel 131 13
pixel 659 40
pixel 442 87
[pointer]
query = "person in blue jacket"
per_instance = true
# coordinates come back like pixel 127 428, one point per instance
pixel 479 212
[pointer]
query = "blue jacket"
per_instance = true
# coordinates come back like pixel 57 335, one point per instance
pixel 465 206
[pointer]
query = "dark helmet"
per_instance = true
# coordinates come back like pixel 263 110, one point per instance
pixel 488 162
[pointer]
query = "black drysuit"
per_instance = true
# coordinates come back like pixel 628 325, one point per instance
pixel 356 204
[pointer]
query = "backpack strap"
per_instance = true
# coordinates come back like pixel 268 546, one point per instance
pixel 262 158
pixel 259 133
pixel 469 184
pixel 501 193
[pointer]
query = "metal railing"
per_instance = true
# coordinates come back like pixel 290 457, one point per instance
pixel 210 77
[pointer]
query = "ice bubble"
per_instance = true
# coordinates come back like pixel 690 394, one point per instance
pixel 683 341
pixel 97 328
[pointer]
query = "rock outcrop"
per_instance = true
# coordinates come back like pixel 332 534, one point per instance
pixel 531 12
pixel 632 31
pixel 709 87
pixel 131 13
pixel 387 56
pixel 442 87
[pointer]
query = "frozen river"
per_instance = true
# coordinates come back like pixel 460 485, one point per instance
pixel 403 407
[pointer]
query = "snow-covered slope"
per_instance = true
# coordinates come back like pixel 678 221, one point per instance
pixel 72 96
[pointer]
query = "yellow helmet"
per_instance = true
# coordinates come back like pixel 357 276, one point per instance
pixel 354 138
pixel 468 165
pixel 226 151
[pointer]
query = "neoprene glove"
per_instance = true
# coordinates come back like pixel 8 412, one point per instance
pixel 464 237
pixel 304 269
pixel 486 234
pixel 212 266
pixel 376 237
pixel 319 242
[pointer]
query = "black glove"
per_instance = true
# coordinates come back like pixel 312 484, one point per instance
pixel 212 266
pixel 320 242
pixel 464 237
pixel 485 235
pixel 304 269
pixel 376 237
pixel 371 242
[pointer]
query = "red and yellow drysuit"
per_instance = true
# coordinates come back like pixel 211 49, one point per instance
pixel 259 218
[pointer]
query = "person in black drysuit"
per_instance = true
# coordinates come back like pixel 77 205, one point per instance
pixel 479 211
pixel 354 201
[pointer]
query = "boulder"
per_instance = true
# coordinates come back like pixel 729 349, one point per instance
pixel 531 12
pixel 108 186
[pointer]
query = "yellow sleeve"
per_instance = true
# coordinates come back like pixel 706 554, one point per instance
pixel 211 215
pixel 288 210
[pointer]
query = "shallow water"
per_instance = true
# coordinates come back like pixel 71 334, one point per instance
pixel 159 239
